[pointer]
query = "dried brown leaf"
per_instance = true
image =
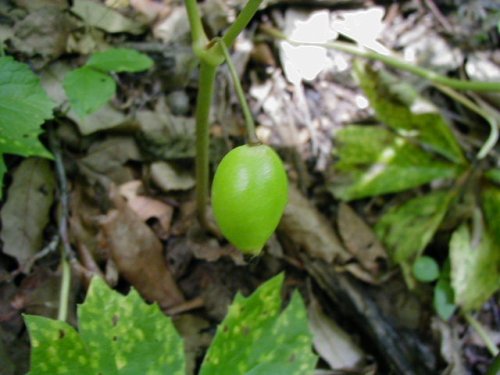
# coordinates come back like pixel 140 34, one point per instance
pixel 332 343
pixel 138 254
pixel 304 225
pixel 360 240
pixel 146 207
pixel 26 211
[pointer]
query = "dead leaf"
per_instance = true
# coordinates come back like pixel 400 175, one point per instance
pixel 151 9
pixel 43 32
pixel 174 28
pixel 105 118
pixel 26 211
pixel 360 240
pixel 146 207
pixel 305 225
pixel 138 254
pixel 449 346
pixel 169 178
pixel 331 342
pixel 105 160
pixel 107 19
pixel 194 332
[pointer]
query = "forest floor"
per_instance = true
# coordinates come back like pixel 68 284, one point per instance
pixel 130 175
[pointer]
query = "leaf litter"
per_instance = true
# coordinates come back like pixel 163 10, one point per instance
pixel 131 173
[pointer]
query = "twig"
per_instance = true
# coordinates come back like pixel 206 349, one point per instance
pixel 66 251
pixel 439 16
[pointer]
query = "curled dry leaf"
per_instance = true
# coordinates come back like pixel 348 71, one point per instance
pixel 138 254
pixel 146 207
pixel 360 240
pixel 303 224
pixel 334 345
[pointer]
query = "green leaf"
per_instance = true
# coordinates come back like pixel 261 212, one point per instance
pixel 407 229
pixel 493 175
pixel 407 113
pixel 255 339
pixel 374 161
pixel 24 107
pixel 118 335
pixel 491 208
pixel 56 348
pixel 444 299
pixel 425 269
pixel 120 60
pixel 475 267
pixel 88 89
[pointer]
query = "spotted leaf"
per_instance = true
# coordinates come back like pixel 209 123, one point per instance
pixel 255 339
pixel 117 335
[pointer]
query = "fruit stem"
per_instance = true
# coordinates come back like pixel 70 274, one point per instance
pixel 211 57
pixel 247 114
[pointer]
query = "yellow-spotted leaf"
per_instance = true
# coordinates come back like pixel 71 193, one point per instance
pixel 255 339
pixel 117 335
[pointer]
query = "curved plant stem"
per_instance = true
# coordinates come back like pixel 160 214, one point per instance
pixel 393 61
pixel 197 33
pixel 241 21
pixel 203 102
pixel 492 122
pixel 211 56
pixel 66 252
pixel 442 83
pixel 250 124
pixel 490 345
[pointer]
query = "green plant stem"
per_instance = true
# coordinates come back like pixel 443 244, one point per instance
pixel 490 345
pixel 443 83
pixel 247 114
pixel 211 56
pixel 203 103
pixel 65 286
pixel 197 32
pixel 393 61
pixel 241 21
pixel 492 122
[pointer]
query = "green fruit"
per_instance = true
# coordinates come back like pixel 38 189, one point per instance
pixel 249 195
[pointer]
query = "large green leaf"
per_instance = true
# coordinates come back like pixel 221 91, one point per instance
pixel 118 335
pixel 399 107
pixel 88 89
pixel 407 229
pixel 120 60
pixel 374 161
pixel 24 107
pixel 255 339
pixel 475 267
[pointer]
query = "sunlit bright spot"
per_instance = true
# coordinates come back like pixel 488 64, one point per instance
pixel 306 62
pixel 362 26
pixel 361 102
